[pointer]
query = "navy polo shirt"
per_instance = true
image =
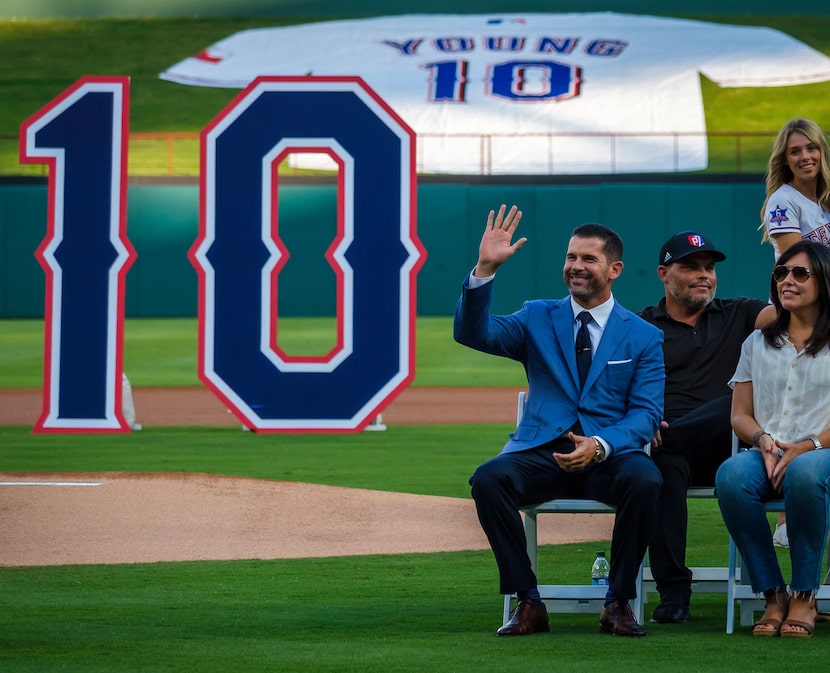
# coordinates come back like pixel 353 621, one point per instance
pixel 700 360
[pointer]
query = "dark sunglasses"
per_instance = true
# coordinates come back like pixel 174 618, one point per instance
pixel 800 273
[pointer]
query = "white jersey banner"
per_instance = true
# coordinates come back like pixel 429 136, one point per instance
pixel 531 93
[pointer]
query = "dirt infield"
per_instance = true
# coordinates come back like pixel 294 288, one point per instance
pixel 55 519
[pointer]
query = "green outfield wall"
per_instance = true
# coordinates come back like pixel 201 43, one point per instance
pixel 162 224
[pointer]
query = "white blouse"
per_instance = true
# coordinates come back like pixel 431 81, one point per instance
pixel 790 390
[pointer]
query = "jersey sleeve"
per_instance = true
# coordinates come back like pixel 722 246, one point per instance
pixel 753 56
pixel 782 214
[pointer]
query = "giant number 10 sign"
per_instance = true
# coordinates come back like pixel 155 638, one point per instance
pixel 238 255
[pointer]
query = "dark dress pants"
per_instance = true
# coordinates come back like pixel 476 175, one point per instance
pixel 630 481
pixel 693 448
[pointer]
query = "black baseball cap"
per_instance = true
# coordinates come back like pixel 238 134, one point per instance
pixel 687 243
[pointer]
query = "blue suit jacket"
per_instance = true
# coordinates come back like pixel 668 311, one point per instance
pixel 622 400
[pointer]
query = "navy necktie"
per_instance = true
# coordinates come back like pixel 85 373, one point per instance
pixel 583 347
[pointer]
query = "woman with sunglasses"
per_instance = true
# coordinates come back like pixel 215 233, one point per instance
pixel 781 407
pixel 797 203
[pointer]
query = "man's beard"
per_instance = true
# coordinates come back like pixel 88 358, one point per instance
pixel 588 290
pixel 691 301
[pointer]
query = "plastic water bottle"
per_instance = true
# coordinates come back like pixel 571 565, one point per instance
pixel 600 569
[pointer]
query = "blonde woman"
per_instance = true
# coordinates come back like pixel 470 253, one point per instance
pixel 797 204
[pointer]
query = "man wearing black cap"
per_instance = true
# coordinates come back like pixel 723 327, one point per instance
pixel 702 339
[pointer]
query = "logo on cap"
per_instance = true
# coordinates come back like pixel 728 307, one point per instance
pixel 696 240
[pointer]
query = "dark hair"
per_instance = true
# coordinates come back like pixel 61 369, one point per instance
pixel 612 244
pixel 819 257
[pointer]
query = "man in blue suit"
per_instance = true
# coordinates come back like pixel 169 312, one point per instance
pixel 576 438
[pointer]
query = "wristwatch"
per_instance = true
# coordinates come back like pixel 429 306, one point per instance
pixel 816 442
pixel 756 438
pixel 599 451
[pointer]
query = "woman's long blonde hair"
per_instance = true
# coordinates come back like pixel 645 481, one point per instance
pixel 779 173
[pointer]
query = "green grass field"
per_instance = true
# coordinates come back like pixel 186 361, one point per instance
pixel 412 613
pixel 431 612
pixel 41 58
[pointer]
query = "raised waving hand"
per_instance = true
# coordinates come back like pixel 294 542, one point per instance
pixel 497 244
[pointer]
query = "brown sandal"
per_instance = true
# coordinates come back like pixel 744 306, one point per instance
pixel 793 633
pixel 779 599
pixel 760 632
pixel 796 628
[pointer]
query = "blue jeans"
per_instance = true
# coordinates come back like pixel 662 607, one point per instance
pixel 742 488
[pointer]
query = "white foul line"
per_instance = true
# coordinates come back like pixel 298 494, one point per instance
pixel 51 483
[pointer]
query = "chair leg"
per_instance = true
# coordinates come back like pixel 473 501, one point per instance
pixel 531 535
pixel 508 603
pixel 827 558
pixel 730 588
pixel 639 602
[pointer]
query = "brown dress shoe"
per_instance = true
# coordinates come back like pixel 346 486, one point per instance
pixel 528 617
pixel 618 619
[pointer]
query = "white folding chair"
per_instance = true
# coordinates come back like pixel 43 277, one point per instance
pixel 566 598
pixel 750 602
pixel 705 579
